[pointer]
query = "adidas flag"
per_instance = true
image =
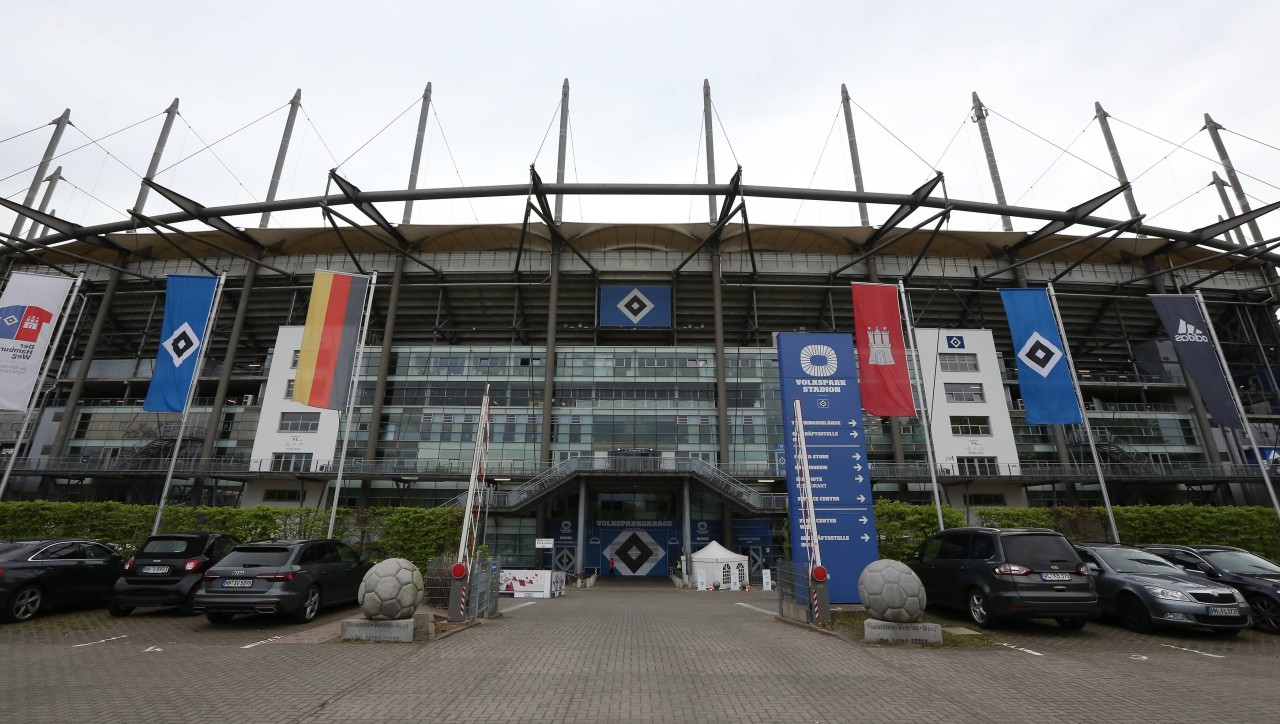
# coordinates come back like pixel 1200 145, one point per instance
pixel 1043 375
pixel 882 355
pixel 188 299
pixel 1184 321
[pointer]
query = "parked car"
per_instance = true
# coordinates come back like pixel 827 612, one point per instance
pixel 1144 590
pixel 290 577
pixel 996 574
pixel 166 571
pixel 1257 578
pixel 49 572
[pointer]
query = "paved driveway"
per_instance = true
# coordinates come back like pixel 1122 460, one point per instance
pixel 617 653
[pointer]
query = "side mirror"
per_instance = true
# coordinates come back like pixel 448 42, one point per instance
pixel 1093 568
pixel 1208 570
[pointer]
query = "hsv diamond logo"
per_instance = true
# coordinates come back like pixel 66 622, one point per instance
pixel 1189 333
pixel 635 552
pixel 818 360
pixel 182 344
pixel 1040 354
pixel 635 305
pixel 23 323
pixel 955 341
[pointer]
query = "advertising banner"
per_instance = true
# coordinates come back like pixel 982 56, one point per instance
pixel 1189 330
pixel 635 306
pixel 187 302
pixel 882 353
pixel 29 311
pixel 1043 375
pixel 819 371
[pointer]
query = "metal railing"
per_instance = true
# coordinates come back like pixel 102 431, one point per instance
pixel 794 603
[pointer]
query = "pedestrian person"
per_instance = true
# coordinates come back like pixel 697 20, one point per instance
pixel 613 567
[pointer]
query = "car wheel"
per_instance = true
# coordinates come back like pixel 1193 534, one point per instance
pixel 310 606
pixel 119 610
pixel 1266 613
pixel 24 604
pixel 219 616
pixel 1135 616
pixel 188 605
pixel 1072 624
pixel 980 609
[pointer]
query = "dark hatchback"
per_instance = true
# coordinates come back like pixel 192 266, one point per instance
pixel 995 574
pixel 1144 590
pixel 39 574
pixel 1256 578
pixel 294 578
pixel 166 571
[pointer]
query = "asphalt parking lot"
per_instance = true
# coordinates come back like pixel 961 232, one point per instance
pixel 621 653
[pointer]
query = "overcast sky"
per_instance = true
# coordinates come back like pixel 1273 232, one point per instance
pixel 636 73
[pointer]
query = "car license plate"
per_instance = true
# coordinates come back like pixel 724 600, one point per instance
pixel 1222 611
pixel 155 569
pixel 237 582
pixel 1055 576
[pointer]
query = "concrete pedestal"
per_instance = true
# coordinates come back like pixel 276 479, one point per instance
pixel 359 629
pixel 883 632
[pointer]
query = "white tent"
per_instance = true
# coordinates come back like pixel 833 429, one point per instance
pixel 718 563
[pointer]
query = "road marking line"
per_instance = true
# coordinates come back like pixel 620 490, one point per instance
pixel 1193 651
pixel 113 638
pixel 1019 648
pixel 1138 657
pixel 518 605
pixel 152 648
pixel 756 608
pixel 264 641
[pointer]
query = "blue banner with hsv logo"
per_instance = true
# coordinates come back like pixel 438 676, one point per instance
pixel 635 306
pixel 1044 377
pixel 187 302
pixel 820 371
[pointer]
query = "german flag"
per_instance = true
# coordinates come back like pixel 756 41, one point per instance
pixel 329 340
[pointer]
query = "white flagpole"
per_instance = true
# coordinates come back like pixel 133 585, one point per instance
pixel 470 507
pixel 810 522
pixel 186 407
pixel 1235 396
pixel 924 402
pixel 353 386
pixel 1084 416
pixel 35 391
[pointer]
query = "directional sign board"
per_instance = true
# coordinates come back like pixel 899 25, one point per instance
pixel 821 372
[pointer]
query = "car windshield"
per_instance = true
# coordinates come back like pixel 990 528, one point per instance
pixel 1240 562
pixel 162 547
pixel 1039 551
pixel 1132 560
pixel 256 557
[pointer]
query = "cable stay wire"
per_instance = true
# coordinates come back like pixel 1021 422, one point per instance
pixel 319 136
pixel 1051 143
pixel 1181 146
pixel 379 133
pixel 110 155
pixel 209 146
pixel 574 154
pixel 1228 130
pixel 454 161
pixel 554 115
pixel 73 185
pixel 83 145
pixel 725 133
pixel 20 135
pixel 891 133
pixel 963 122
pixel 1178 203
pixel 1055 162
pixel 697 161
pixel 821 154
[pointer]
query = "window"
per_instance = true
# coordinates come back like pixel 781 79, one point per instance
pixel 296 354
pixel 978 466
pixel 95 552
pixel 958 362
pixel 288 389
pixel 299 421
pixel 993 499
pixel 60 551
pixel 968 426
pixel 281 495
pixel 964 392
pixel 291 462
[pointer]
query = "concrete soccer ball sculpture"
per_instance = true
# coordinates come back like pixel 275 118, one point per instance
pixel 892 592
pixel 391 590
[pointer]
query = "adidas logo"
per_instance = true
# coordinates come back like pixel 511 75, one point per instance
pixel 1188 333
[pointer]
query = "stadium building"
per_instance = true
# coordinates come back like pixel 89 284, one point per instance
pixel 632 368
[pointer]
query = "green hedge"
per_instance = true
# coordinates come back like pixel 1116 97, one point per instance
pixel 902 527
pixel 412 533
pixel 1254 528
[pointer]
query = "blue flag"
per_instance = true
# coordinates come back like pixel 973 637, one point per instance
pixel 1043 374
pixel 635 306
pixel 187 302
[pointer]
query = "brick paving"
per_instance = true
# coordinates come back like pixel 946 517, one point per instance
pixel 618 653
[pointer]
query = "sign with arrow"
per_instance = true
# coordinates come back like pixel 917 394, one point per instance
pixel 820 371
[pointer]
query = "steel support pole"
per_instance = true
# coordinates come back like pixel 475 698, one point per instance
pixel 564 141
pixel 58 448
pixel 1226 204
pixel 59 126
pixel 51 185
pixel 1232 178
pixel 423 115
pixel 722 387
pixel 580 558
pixel 380 387
pixel 1121 176
pixel 711 152
pixel 549 374
pixel 853 153
pixel 144 190
pixel 686 522
pixel 980 117
pixel 281 154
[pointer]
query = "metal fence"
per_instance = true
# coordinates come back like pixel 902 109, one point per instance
pixel 794 595
pixel 483 599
